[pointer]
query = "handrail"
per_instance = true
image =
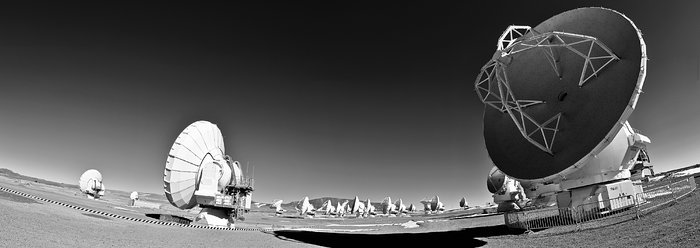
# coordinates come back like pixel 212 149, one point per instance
pixel 600 213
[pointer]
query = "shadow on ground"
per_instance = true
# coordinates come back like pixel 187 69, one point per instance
pixel 170 218
pixel 464 237
pixel 16 198
pixel 97 216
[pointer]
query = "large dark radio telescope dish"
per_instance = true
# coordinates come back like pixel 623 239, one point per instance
pixel 546 114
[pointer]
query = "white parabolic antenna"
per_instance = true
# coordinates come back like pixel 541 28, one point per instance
pixel 276 204
pixel 340 208
pixel 387 206
pixel 411 208
pixel 200 144
pixel 370 207
pixel 355 205
pixel 197 171
pixel 436 204
pixel 557 98
pixel 305 206
pixel 91 183
pixel 400 207
pixel 463 202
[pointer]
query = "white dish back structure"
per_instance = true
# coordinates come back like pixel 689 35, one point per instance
pixel 277 206
pixel 197 164
pixel 91 183
pixel 371 210
pixel 305 207
pixel 340 209
pixel 327 208
pixel 356 206
pixel 400 207
pixel 387 206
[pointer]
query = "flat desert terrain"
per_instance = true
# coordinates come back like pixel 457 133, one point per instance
pixel 28 222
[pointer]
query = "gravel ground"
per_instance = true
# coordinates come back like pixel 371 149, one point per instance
pixel 677 225
pixel 30 223
pixel 48 225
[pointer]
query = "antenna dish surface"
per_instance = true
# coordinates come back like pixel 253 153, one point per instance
pixel 199 144
pixel 557 108
pixel 355 205
pixel 463 202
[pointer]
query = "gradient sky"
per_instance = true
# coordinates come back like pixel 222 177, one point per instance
pixel 322 100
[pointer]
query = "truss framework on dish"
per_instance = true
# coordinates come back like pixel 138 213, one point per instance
pixel 513 41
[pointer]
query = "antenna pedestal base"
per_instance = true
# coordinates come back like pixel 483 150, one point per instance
pixel 611 196
pixel 217 217
pixel 540 194
pixel 510 197
pixel 95 196
pixel 506 202
pixel 507 207
pixel 604 180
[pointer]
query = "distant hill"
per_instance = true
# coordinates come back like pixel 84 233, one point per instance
pixel 11 174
